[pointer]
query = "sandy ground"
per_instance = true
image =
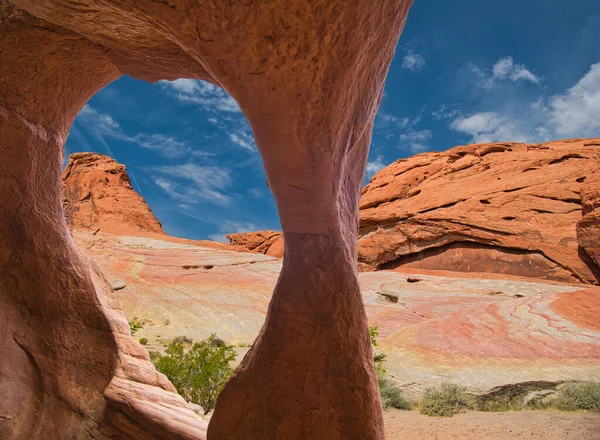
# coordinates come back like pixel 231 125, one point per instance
pixel 531 425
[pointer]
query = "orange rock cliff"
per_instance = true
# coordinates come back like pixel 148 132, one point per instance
pixel 504 208
pixel 97 195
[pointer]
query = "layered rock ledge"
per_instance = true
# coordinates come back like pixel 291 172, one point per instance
pixel 502 208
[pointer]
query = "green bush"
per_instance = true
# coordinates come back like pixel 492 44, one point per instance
pixel 578 396
pixel 379 358
pixel 143 341
pixel 134 326
pixel 391 395
pixel 444 401
pixel 200 373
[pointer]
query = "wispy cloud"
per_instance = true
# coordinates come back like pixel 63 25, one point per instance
pixel 404 130
pixel 208 96
pixel 413 62
pixel 243 139
pixel 445 111
pixel 571 113
pixel 505 69
pixel 104 125
pixel 226 114
pixel 232 227
pixel 416 140
pixel 191 183
pixel 375 166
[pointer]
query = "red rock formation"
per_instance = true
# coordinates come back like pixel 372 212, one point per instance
pixel 69 368
pixel 263 242
pixel 588 228
pixel 309 77
pixel 97 195
pixel 502 208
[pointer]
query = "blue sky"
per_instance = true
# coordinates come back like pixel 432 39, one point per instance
pixel 464 71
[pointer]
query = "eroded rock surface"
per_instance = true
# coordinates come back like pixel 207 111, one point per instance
pixel 502 208
pixel 263 242
pixel 309 77
pixel 588 228
pixel 97 196
pixel 481 332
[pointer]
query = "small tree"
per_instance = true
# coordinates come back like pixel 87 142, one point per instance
pixel 200 373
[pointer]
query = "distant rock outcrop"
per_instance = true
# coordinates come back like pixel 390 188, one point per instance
pixel 264 242
pixel 503 207
pixel 97 195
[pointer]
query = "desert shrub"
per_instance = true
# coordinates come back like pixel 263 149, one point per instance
pixel 578 396
pixel 445 400
pixel 217 342
pixel 134 326
pixel 199 374
pixel 182 339
pixel 391 395
pixel 378 358
pixel 143 341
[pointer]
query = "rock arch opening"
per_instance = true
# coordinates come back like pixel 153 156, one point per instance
pixel 189 152
pixel 311 107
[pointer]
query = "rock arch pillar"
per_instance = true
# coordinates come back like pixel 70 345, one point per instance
pixel 68 365
pixel 309 76
pixel 310 373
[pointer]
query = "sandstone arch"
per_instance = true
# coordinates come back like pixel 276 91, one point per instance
pixel 308 76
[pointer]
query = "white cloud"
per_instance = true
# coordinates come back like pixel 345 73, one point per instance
pixel 243 139
pixel 416 140
pixel 208 96
pixel 103 124
pixel 103 121
pixel 232 227
pixel 573 113
pixel 166 185
pixel 228 120
pixel 374 166
pixel 164 145
pixel 577 111
pixel 208 183
pixel 504 69
pixel 413 62
pixel 421 135
pixel 489 127
pixel 445 111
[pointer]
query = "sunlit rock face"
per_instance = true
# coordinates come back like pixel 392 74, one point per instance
pixel 588 228
pixel 97 196
pixel 500 208
pixel 309 77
